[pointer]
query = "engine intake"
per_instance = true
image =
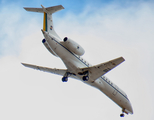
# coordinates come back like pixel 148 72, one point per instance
pixel 43 41
pixel 65 39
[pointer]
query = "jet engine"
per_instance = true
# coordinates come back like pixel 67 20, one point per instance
pixel 73 46
pixel 48 47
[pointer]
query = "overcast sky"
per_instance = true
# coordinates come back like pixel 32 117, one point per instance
pixel 106 29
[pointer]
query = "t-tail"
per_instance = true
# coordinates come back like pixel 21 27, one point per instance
pixel 47 19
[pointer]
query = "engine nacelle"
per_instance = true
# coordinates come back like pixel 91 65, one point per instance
pixel 48 47
pixel 73 46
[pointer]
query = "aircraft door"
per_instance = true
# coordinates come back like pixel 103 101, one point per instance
pixel 115 91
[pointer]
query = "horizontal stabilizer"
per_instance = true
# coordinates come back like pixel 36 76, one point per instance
pixel 49 10
pixel 101 69
pixel 49 70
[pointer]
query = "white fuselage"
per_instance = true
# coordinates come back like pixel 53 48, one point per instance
pixel 73 62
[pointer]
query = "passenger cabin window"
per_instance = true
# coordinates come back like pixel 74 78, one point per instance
pixel 111 83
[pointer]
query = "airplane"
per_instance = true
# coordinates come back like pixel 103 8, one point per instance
pixel 70 53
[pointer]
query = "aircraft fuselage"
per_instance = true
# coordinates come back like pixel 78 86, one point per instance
pixel 70 53
pixel 73 62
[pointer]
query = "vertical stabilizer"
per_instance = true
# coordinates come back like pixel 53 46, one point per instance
pixel 47 19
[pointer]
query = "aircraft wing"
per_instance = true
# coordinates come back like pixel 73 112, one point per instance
pixel 50 70
pixel 101 69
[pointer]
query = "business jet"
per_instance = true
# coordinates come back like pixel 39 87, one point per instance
pixel 70 53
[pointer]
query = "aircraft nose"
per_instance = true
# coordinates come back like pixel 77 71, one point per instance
pixel 130 109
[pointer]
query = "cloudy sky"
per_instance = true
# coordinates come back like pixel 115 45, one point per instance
pixel 106 29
